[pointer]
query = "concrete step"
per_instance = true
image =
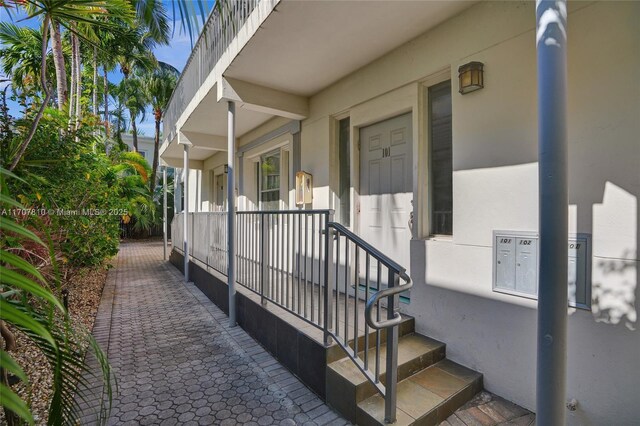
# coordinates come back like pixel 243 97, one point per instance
pixel 347 386
pixel 335 352
pixel 426 398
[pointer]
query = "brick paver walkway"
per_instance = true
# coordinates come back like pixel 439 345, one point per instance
pixel 178 362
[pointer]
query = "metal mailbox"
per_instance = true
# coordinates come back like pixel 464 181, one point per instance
pixel 515 266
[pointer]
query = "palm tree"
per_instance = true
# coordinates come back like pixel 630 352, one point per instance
pixel 135 58
pixel 47 95
pixel 117 115
pixel 21 55
pixel 62 13
pixel 159 87
pixel 58 62
pixel 136 102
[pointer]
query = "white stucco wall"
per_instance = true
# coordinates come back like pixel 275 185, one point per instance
pixel 495 187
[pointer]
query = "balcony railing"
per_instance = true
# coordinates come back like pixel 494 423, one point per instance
pixel 317 270
pixel 222 26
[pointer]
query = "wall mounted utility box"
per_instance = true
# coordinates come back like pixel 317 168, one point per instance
pixel 515 266
pixel 304 188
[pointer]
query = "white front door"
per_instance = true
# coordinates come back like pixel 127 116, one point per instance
pixel 386 188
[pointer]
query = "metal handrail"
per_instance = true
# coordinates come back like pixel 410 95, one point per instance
pixel 372 306
pixel 377 254
pixel 388 292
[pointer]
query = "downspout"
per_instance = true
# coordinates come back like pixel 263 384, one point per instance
pixel 231 207
pixel 551 42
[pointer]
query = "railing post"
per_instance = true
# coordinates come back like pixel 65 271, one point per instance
pixel 231 211
pixel 185 234
pixel 392 355
pixel 164 210
pixel 328 287
pixel 264 257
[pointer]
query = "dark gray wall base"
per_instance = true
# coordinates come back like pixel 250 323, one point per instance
pixel 300 354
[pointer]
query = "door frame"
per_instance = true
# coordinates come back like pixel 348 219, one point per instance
pixel 398 102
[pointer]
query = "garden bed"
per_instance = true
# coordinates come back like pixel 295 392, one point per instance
pixel 84 287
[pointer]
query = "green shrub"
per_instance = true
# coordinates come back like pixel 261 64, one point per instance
pixel 78 191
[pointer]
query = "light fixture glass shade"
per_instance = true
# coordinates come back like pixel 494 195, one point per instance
pixel 471 77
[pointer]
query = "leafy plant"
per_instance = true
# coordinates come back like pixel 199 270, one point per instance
pixel 81 192
pixel 29 307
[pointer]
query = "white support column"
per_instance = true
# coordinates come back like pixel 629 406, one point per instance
pixel 551 380
pixel 185 171
pixel 164 209
pixel 231 207
pixel 177 193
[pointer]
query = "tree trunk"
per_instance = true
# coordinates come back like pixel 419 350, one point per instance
pixel 45 89
pixel 58 62
pixel 94 101
pixel 72 89
pixel 78 82
pixel 134 129
pixel 156 149
pixel 106 100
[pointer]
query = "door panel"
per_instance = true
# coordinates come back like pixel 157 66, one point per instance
pixel 386 188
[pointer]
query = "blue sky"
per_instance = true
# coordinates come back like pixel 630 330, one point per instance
pixel 176 54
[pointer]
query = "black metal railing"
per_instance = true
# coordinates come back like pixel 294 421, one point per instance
pixel 318 270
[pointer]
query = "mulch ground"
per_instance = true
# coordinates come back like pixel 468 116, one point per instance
pixel 85 289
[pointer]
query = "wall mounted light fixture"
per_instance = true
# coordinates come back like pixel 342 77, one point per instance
pixel 226 168
pixel 471 77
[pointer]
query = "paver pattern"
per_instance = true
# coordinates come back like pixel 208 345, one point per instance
pixel 486 409
pixel 177 361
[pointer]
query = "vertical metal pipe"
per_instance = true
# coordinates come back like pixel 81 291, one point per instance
pixel 328 258
pixel 305 258
pixel 355 299
pixel 346 290
pixel 281 262
pixel 366 326
pixel 231 210
pixel 290 261
pixel 185 180
pixel 312 263
pixel 164 209
pixel 264 256
pixel 551 41
pixel 177 196
pixel 337 284
pixel 299 253
pixel 271 258
pixel 379 277
pixel 392 355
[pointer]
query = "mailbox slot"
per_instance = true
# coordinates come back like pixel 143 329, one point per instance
pixel 515 266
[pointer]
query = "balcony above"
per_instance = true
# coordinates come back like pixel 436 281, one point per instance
pixel 280 53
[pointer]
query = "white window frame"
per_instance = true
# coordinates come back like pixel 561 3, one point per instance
pixel 283 144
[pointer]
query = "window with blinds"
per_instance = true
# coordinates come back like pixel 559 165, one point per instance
pixel 441 159
pixel 344 190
